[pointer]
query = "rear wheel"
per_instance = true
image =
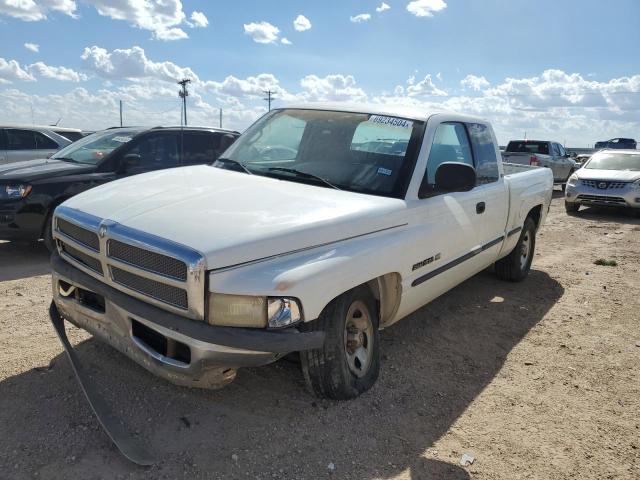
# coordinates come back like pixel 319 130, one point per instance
pixel 515 266
pixel 571 208
pixel 349 361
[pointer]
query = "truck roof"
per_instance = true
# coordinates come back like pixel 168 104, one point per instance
pixel 402 111
pixel 43 127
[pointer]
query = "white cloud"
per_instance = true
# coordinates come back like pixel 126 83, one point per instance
pixel 161 17
pixel 425 8
pixel 64 74
pixel 301 23
pixel 199 19
pixel 383 7
pixel 11 71
pixel 285 41
pixel 32 11
pixel 331 88
pixel 132 63
pixel 439 76
pixel 423 88
pixel 362 17
pixel 262 32
pixel 252 87
pixel 34 47
pixel 473 82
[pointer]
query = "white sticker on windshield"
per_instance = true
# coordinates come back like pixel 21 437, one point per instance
pixel 392 121
pixel 121 139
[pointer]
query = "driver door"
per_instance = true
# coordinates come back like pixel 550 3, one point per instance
pixel 154 151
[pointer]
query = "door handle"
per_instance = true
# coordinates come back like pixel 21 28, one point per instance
pixel 480 207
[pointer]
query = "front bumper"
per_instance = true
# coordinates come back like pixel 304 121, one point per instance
pixel 628 196
pixel 184 351
pixel 18 222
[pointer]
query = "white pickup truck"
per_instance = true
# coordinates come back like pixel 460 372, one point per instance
pixel 320 226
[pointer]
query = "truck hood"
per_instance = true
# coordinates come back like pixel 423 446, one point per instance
pixel 617 175
pixel 34 170
pixel 232 217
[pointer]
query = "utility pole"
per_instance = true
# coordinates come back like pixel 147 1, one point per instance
pixel 220 118
pixel 120 112
pixel 184 93
pixel 269 97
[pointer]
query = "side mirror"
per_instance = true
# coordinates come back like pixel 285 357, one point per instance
pixel 128 161
pixel 455 177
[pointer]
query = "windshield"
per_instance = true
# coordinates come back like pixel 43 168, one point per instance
pixel 358 152
pixel 614 161
pixel 524 146
pixel 93 148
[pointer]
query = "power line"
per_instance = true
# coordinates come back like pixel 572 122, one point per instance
pixel 184 93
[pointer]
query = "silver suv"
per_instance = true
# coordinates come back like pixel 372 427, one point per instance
pixel 20 143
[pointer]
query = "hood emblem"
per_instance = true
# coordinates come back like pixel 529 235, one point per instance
pixel 102 231
pixel 602 185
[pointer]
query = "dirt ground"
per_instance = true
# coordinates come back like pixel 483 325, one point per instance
pixel 538 380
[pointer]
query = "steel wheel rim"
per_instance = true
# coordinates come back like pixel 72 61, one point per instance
pixel 358 338
pixel 526 250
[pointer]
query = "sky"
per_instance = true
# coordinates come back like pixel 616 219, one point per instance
pixel 562 70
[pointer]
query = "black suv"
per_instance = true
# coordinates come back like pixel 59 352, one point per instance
pixel 29 191
pixel 618 143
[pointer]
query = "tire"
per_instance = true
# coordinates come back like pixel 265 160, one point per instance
pixel 571 208
pixel 563 187
pixel 47 235
pixel 349 361
pixel 515 266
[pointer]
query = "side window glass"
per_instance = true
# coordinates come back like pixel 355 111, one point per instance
pixel 200 148
pixel 20 140
pixel 450 144
pixel 484 152
pixel 563 152
pixel 554 149
pixel 153 153
pixel 44 143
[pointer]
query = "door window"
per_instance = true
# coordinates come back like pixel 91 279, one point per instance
pixel 44 143
pixel 562 151
pixel 153 152
pixel 450 144
pixel 20 140
pixel 555 150
pixel 199 147
pixel 484 152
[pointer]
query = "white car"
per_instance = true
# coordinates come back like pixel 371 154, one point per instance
pixel 320 226
pixel 610 178
pixel 19 143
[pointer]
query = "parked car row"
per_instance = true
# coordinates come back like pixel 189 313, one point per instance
pixel 30 190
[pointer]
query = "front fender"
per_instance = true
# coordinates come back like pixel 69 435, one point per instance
pixel 318 275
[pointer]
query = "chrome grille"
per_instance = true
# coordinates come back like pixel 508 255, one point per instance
pixel 79 234
pixel 603 184
pixel 153 269
pixel 165 293
pixel 602 199
pixel 87 260
pixel 151 261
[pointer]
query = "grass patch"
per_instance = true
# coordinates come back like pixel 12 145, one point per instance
pixel 606 263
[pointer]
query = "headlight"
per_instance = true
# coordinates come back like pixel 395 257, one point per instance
pixel 15 191
pixel 253 312
pixel 573 180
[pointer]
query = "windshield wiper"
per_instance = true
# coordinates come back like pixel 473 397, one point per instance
pixel 235 162
pixel 303 174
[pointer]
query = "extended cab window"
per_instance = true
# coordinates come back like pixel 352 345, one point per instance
pixel 450 144
pixel 359 152
pixel 484 152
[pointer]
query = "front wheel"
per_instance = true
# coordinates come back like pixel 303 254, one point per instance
pixel 515 266
pixel 349 361
pixel 571 208
pixel 47 234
